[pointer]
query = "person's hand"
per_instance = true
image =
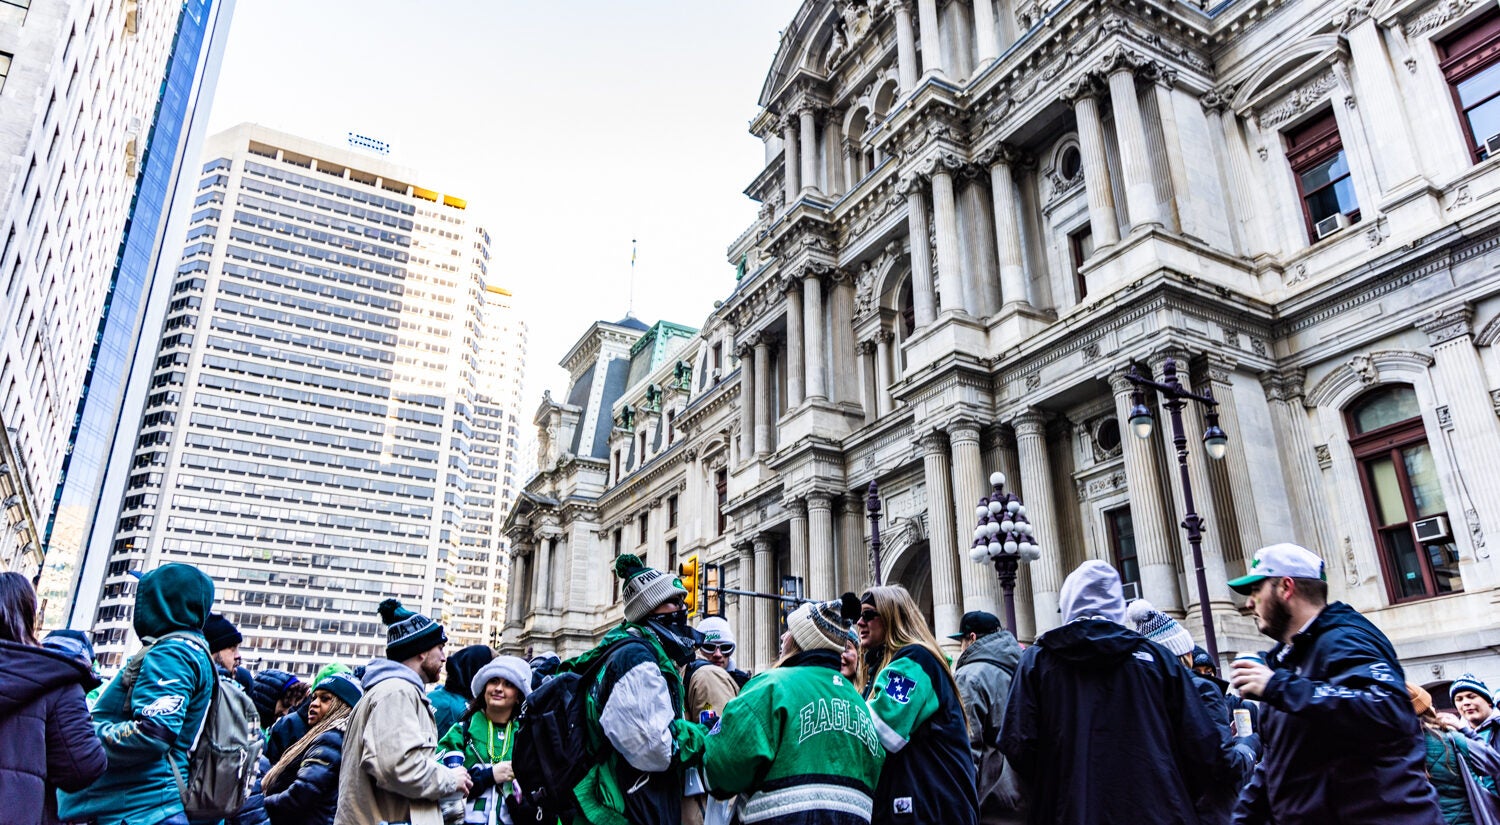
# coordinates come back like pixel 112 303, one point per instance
pixel 1451 721
pixel 461 774
pixel 503 772
pixel 1249 677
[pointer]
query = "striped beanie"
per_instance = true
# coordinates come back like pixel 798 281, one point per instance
pixel 1469 681
pixel 408 634
pixel 644 588
pixel 1158 627
pixel 820 626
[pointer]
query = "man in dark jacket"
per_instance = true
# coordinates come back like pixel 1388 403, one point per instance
pixel 1341 741
pixel 451 698
pixel 46 738
pixel 1103 725
pixel 985 667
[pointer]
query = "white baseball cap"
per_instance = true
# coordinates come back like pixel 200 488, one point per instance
pixel 1277 561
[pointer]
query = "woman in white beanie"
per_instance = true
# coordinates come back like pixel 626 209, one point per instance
pixel 486 735
pixel 798 744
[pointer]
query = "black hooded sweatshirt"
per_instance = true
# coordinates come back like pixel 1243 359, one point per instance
pixel 46 737
pixel 1105 728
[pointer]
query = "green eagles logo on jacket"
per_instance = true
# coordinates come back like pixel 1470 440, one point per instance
pixel 836 716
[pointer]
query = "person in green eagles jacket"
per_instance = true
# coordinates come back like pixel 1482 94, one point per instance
pixel 165 709
pixel 486 734
pixel 799 741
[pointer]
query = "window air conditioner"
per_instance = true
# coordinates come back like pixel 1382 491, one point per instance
pixel 1431 530
pixel 1132 590
pixel 1492 146
pixel 1331 224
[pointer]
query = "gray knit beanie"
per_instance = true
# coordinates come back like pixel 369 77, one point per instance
pixel 512 669
pixel 644 588
pixel 819 626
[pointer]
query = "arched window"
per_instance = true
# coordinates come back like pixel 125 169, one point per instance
pixel 1404 499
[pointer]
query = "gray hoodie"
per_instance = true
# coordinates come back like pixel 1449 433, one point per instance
pixel 984 674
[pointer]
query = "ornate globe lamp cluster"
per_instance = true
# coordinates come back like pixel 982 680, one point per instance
pixel 1004 537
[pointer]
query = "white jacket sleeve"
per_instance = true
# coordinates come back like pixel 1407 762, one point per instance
pixel 637 719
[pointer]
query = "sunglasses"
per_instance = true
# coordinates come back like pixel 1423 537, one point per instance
pixel 868 616
pixel 722 647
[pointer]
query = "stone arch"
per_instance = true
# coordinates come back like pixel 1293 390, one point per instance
pixel 911 567
pixel 1300 58
pixel 1490 334
pixel 884 97
pixel 857 121
pixel 1364 371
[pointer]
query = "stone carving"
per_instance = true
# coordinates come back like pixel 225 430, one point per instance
pixel 864 291
pixel 1352 15
pixel 1364 369
pixel 1091 350
pixel 1476 530
pixel 1377 233
pixel 1297 275
pixel 1461 198
pixel 1033 382
pixel 1101 486
pixel 1299 100
pixel 1441 13
pixel 1447 324
pixel 1324 457
pixel 1231 338
pixel 1444 417
pixel 1495 401
pixel 1351 567
pixel 1258 346
pixel 1028 13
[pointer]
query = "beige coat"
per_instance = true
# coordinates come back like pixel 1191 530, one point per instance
pixel 390 770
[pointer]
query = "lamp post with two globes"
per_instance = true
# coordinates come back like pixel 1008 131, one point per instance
pixel 1215 443
pixel 1003 537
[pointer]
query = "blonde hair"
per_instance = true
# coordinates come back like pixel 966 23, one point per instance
pixel 336 717
pixel 904 626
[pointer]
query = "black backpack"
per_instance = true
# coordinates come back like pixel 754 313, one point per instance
pixel 553 751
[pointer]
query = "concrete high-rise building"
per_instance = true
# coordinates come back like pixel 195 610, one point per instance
pixel 100 103
pixel 314 405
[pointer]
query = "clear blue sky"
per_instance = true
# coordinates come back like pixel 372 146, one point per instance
pixel 571 126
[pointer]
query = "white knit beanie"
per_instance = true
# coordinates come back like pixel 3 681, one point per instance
pixel 819 626
pixel 1158 627
pixel 512 669
pixel 715 629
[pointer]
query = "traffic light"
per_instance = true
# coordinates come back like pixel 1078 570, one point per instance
pixel 688 572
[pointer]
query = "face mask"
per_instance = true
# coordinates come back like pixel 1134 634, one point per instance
pixel 676 636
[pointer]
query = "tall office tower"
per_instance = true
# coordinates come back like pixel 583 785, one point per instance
pixel 477 610
pixel 307 439
pixel 99 102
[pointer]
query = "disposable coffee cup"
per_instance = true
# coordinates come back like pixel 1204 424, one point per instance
pixel 1242 725
pixel 1245 657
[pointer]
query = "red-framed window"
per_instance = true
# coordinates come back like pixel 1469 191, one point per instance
pixel 1401 488
pixel 1080 247
pixel 1470 60
pixel 1122 548
pixel 721 500
pixel 1321 168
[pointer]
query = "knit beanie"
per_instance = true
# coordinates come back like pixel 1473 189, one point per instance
pixel 716 630
pixel 1469 681
pixel 340 685
pixel 221 633
pixel 1092 591
pixel 512 669
pixel 1158 627
pixel 820 626
pixel 330 669
pixel 644 588
pixel 1421 700
pixel 408 634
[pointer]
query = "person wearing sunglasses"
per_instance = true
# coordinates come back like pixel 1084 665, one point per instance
pixel 709 682
pixel 914 700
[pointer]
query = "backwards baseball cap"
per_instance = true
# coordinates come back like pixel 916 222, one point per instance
pixel 977 622
pixel 1277 561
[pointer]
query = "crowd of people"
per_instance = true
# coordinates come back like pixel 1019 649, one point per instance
pixel 1115 716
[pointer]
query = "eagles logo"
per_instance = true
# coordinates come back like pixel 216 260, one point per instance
pixel 163 706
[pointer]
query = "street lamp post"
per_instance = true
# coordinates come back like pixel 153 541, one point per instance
pixel 1215 443
pixel 1003 537
pixel 872 504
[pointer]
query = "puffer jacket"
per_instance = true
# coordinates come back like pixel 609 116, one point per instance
pixel 46 738
pixel 1341 741
pixel 287 731
pixel 164 712
pixel 309 795
pixel 267 689
pixel 983 674
pixel 390 771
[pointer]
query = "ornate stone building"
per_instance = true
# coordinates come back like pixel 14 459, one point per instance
pixel 977 215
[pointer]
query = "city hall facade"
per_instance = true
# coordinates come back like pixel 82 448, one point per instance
pixel 976 217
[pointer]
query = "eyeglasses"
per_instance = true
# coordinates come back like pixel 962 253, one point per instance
pixel 725 648
pixel 868 616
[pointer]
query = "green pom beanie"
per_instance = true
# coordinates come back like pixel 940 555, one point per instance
pixel 644 588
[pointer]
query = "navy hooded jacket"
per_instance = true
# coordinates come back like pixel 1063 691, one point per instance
pixel 46 737
pixel 1341 741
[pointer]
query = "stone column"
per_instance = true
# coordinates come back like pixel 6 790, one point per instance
pixel 833 166
pixel 1154 534
pixel 923 303
pixel 1007 226
pixel 800 560
pixel 1203 498
pixel 1239 490
pixel 852 173
pixel 795 351
pixel 986 46
pixel 745 606
pixel 946 588
pixel 971 483
pixel 543 596
pixel 932 41
pixel 981 286
pixel 867 389
pixel 1036 479
pixel 1461 382
pixel 791 165
pixel 1101 198
pixel 764 416
pixel 1135 162
pixel 855 575
pixel 1310 515
pixel 949 269
pixel 809 132
pixel 747 401
pixel 884 364
pixel 815 334
pixel 1380 99
pixel 823 558
pixel 765 642
pixel 519 582
pixel 906 46
pixel 1230 175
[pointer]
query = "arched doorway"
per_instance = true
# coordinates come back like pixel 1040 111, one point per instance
pixel 912 569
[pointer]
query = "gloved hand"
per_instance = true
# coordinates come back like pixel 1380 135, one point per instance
pixel 689 736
